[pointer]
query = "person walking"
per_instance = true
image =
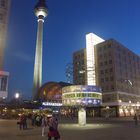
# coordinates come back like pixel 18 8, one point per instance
pixel 136 119
pixel 53 129
pixel 43 124
pixel 21 122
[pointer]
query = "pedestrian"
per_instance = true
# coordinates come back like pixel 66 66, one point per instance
pixel 33 119
pixel 53 129
pixel 21 122
pixel 38 120
pixel 43 124
pixel 136 119
pixel 24 121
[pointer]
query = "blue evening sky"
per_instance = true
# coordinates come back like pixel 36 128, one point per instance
pixel 64 32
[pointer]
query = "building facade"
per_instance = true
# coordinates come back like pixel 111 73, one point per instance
pixel 79 67
pixel 4 14
pixel 117 73
pixel 4 76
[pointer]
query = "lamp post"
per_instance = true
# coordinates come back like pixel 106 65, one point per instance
pixel 17 95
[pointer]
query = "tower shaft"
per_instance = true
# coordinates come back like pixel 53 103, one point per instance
pixel 41 12
pixel 38 60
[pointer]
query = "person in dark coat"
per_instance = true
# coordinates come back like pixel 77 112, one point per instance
pixel 53 129
pixel 136 119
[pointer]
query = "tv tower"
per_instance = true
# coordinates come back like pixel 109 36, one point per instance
pixel 41 12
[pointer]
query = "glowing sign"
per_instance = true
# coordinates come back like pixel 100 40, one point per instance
pixel 81 95
pixel 81 88
pixel 51 104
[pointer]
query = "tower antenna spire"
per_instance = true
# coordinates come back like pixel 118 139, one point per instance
pixel 41 12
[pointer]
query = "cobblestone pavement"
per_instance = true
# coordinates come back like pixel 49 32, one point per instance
pixel 96 129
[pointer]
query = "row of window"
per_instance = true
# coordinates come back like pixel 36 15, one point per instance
pixel 105 55
pixel 128 65
pixel 79 56
pixel 106 63
pixel 123 52
pixel 107 79
pixel 128 59
pixel 106 71
pixel 104 48
pixel 79 63
pixel 108 88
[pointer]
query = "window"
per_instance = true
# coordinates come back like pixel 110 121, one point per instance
pixel 110 61
pixel 3 3
pixel 111 69
pixel 112 87
pixel 111 78
pixel 1 16
pixel 100 49
pixel 106 88
pixel 106 79
pixel 102 80
pixel 102 72
pixel 109 46
pixel 106 70
pixel 105 55
pixel 101 63
pixel 105 62
pixel 100 56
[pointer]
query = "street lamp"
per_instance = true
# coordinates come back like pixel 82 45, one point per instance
pixel 16 95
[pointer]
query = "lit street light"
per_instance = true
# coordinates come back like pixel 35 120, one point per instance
pixel 16 95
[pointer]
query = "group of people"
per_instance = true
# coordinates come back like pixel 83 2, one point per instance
pixel 45 122
pixel 22 122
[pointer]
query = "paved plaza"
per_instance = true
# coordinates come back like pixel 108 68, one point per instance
pixel 96 129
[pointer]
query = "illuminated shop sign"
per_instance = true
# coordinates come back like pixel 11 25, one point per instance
pixel 51 104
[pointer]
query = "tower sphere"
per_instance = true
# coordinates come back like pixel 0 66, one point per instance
pixel 40 9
